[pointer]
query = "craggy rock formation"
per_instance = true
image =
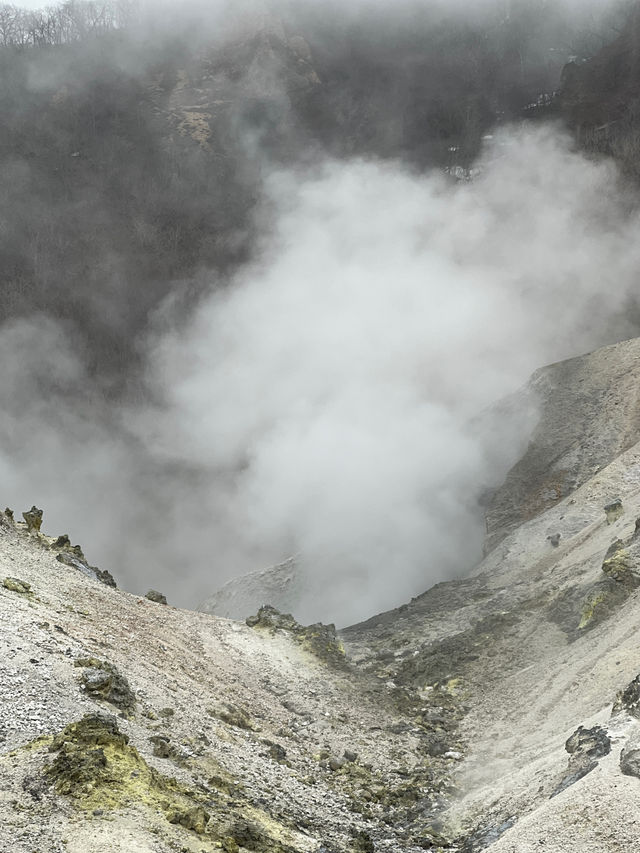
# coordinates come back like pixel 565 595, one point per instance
pixel 33 519
pixel 585 747
pixel 102 680
pixel 319 639
pixel 589 413
pixel 70 555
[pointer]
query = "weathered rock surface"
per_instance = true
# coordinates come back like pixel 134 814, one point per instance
pixel 630 760
pixel 319 639
pixel 278 586
pixel 33 519
pixel 589 413
pixel 158 597
pixel 585 747
pixel 101 575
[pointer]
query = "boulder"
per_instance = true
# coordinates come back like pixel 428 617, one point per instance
pixel 157 597
pixel 630 761
pixel 585 747
pixel 33 519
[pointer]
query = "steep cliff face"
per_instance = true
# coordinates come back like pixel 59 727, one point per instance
pixel 604 89
pixel 589 413
pixel 599 98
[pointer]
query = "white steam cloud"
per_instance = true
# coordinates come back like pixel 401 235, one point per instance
pixel 324 402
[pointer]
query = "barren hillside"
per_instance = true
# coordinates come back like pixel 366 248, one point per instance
pixel 478 716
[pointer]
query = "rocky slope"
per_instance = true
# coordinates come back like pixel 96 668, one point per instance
pixel 589 411
pixel 499 711
pixel 132 726
pixel 543 635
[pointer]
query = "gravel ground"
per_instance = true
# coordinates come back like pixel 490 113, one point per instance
pixel 195 665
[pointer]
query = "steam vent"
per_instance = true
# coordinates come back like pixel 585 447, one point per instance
pixel 320 330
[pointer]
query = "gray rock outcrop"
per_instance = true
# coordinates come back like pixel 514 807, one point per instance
pixel 279 586
pixel 589 413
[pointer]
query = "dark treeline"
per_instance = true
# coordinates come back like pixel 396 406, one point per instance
pixel 63 23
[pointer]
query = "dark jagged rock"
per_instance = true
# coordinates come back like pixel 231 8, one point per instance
pixel 600 603
pixel 619 567
pixel 614 510
pixel 102 680
pixel 585 747
pixel 319 639
pixel 163 748
pixel 166 713
pixel 616 545
pixel 100 575
pixel 250 834
pixel 81 763
pixel 575 433
pixel 580 608
pixel 276 752
pixel 157 597
pixel 270 617
pixel 630 761
pixel 63 543
pixel 628 700
pixel 33 519
pixel 593 742
pixel 97 680
pixel 362 842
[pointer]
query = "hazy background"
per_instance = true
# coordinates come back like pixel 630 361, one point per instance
pixel 220 349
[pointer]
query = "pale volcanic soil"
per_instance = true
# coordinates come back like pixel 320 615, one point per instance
pixel 198 666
